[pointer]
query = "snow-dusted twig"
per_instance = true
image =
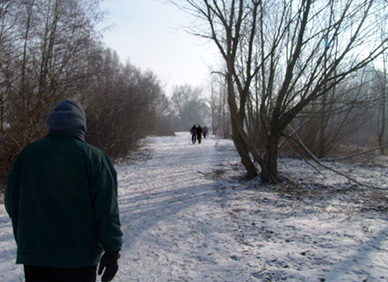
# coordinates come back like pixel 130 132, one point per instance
pixel 357 154
pixel 315 159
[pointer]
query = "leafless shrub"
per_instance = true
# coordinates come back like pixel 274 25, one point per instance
pixel 51 52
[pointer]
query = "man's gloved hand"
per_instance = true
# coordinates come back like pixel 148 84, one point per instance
pixel 109 263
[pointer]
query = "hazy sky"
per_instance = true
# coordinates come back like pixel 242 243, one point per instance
pixel 151 34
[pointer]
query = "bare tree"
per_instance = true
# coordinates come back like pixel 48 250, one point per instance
pixel 382 88
pixel 164 124
pixel 282 48
pixel 46 47
pixel 121 104
pixel 5 46
pixel 218 104
pixel 189 107
pixel 380 85
pixel 324 133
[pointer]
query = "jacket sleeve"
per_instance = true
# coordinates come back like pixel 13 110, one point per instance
pixel 12 193
pixel 106 211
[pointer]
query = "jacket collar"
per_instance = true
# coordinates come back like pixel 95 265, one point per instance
pixel 63 134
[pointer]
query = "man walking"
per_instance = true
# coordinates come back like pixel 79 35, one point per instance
pixel 62 198
pixel 205 131
pixel 193 132
pixel 199 134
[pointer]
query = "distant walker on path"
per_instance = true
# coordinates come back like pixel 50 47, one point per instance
pixel 193 132
pixel 199 134
pixel 205 131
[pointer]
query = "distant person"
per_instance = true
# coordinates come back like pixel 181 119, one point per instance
pixel 62 198
pixel 199 134
pixel 205 131
pixel 193 132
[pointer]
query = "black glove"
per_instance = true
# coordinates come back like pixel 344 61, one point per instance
pixel 109 262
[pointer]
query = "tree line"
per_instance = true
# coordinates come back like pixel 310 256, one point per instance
pixel 51 51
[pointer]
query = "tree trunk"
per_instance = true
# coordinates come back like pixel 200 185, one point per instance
pixel 382 128
pixel 236 120
pixel 270 173
pixel 243 152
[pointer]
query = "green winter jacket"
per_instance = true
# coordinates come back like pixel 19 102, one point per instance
pixel 62 198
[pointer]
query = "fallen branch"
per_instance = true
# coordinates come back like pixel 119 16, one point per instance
pixel 357 154
pixel 315 159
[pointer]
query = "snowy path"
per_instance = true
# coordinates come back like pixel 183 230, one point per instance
pixel 187 216
pixel 176 229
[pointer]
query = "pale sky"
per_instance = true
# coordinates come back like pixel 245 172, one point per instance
pixel 151 35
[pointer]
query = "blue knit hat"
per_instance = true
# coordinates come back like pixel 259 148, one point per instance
pixel 67 116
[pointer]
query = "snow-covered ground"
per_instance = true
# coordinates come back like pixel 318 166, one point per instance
pixel 187 215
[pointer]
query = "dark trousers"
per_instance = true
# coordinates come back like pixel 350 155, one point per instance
pixel 51 274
